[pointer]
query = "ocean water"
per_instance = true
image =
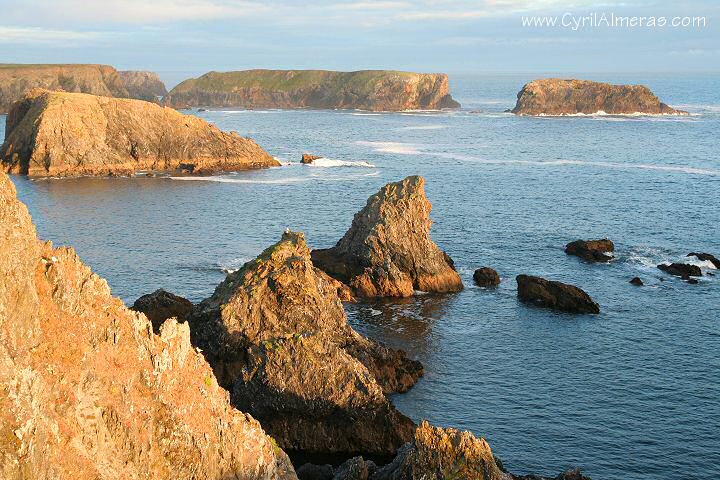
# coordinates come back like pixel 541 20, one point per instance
pixel 631 393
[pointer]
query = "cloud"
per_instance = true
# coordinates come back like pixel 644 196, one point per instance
pixel 42 36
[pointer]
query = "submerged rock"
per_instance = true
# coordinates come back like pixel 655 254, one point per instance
pixel 388 252
pixel 308 159
pixel 378 90
pixel 143 85
pixel 161 305
pixel 591 250
pixel 486 277
pixel 683 270
pixel 706 257
pixel 555 96
pixel 89 391
pixel 555 295
pixel 574 474
pixel 637 281
pixel 71 134
pixel 276 333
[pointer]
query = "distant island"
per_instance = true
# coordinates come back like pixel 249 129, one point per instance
pixel 376 90
pixel 555 96
pixel 18 79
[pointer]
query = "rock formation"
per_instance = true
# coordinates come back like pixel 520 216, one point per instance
pixel 143 85
pixel 683 270
pixel 161 305
pixel 89 391
pixel 308 159
pixel 71 134
pixel 706 257
pixel 276 334
pixel 591 250
pixel 637 281
pixel 378 90
pixel 555 295
pixel 388 252
pixel 486 277
pixel 555 96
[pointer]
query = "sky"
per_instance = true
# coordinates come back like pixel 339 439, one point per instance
pixel 179 38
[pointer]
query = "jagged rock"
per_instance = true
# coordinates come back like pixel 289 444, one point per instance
pixel 555 96
pixel 71 134
pixel 706 257
pixel 277 334
pixel 310 471
pixel 89 391
pixel 388 252
pixel 143 85
pixel 442 454
pixel 637 281
pixel 161 305
pixel 486 277
pixel 683 270
pixel 555 295
pixel 692 281
pixel 591 250
pixel 356 468
pixel 379 90
pixel 308 159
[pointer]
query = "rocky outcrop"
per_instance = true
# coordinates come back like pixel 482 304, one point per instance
pixel 486 277
pixel 555 295
pixel 706 257
pixel 357 468
pixel 591 250
pixel 555 96
pixel 161 305
pixel 308 159
pixel 682 270
pixel 574 474
pixel 143 85
pixel 637 281
pixel 276 334
pixel 378 90
pixel 70 134
pixel 388 252
pixel 89 391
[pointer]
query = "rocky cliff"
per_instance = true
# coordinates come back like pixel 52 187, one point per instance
pixel 388 252
pixel 71 134
pixel 555 96
pixel 379 90
pixel 143 85
pixel 88 391
pixel 276 333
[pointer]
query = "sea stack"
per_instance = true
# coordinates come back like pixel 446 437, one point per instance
pixel 388 252
pixel 555 295
pixel 277 335
pixel 89 391
pixel 555 96
pixel 377 90
pixel 59 134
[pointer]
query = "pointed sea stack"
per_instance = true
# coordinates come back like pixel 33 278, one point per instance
pixel 388 252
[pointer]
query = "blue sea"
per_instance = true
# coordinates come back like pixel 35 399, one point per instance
pixel 631 393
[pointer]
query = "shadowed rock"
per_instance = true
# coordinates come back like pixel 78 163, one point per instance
pixel 706 257
pixel 388 252
pixel 277 335
pixel 486 277
pixel 143 85
pixel 161 305
pixel 637 281
pixel 682 270
pixel 591 250
pixel 555 96
pixel 356 468
pixel 308 159
pixel 71 134
pixel 90 392
pixel 555 295
pixel 574 474
pixel 309 471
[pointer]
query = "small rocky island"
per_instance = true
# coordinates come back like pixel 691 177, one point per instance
pixel 377 90
pixel 16 80
pixel 555 96
pixel 59 134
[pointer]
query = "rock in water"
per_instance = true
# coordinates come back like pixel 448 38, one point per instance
pixel 276 333
pixel 706 257
pixel 89 391
pixel 555 295
pixel 161 305
pixel 637 281
pixel 486 277
pixel 442 454
pixel 71 134
pixel 388 251
pixel 308 159
pixel 591 250
pixel 143 85
pixel 555 96
pixel 683 270
pixel 378 90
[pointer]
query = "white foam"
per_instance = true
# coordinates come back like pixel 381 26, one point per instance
pixel 222 179
pixel 391 147
pixel 331 162
pixel 360 114
pixel 602 113
pixel 424 127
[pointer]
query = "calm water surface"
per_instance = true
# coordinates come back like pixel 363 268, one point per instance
pixel 630 393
